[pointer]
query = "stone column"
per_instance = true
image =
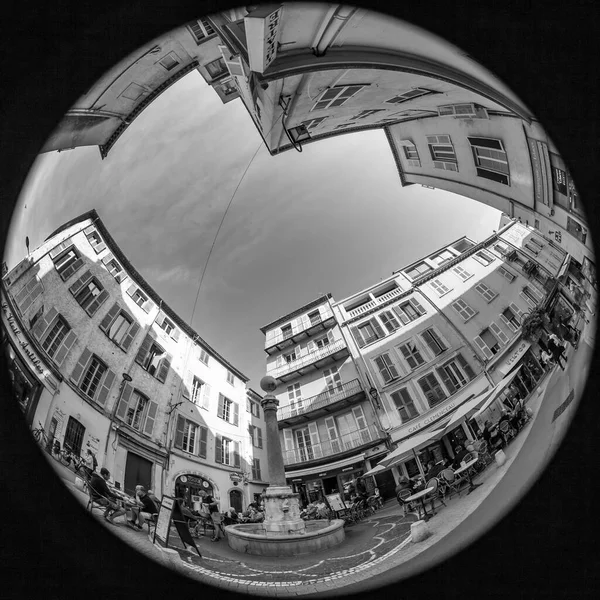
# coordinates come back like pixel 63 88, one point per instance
pixel 282 510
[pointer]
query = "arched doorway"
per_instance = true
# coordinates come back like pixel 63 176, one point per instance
pixel 192 489
pixel 236 500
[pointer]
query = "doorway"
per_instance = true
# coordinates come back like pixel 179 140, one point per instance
pixel 74 436
pixel 235 500
pixel 330 485
pixel 138 471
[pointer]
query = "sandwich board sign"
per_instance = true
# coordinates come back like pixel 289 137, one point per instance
pixel 170 512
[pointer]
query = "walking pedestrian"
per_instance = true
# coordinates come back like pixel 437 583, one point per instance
pixel 556 349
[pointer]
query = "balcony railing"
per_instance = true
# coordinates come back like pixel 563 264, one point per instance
pixel 307 359
pixel 320 400
pixel 355 312
pixel 296 329
pixel 329 448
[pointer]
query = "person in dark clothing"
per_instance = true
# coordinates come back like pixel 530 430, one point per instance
pixel 103 496
pixel 492 439
pixel 433 470
pixel 145 510
pixel 459 454
pixel 557 349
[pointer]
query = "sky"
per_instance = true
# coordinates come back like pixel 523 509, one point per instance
pixel 332 219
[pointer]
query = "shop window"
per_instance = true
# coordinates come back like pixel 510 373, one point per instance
pixel 74 436
pixel 137 410
pixel 432 389
pixel 120 327
pixel 412 468
pixel 66 261
pixel 386 367
pixel 153 359
pixel 228 410
pixel 405 405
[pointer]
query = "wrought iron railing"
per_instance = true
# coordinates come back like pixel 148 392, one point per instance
pixel 330 396
pixel 307 359
pixel 349 441
pixel 296 329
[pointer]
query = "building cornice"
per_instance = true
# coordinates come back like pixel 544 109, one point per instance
pixel 317 302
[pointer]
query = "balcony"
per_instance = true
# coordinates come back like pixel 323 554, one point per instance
pixel 312 361
pixel 363 308
pixel 307 328
pixel 345 445
pixel 320 405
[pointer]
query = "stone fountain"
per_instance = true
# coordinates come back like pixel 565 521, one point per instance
pixel 283 532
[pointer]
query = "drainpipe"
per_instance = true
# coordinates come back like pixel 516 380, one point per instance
pixel 464 339
pixel 332 26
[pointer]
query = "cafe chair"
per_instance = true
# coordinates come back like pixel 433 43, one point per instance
pixel 406 506
pixel 507 432
pixel 451 481
pixel 92 504
pixel 436 494
pixel 485 458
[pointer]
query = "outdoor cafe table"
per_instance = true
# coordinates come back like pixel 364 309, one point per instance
pixel 421 496
pixel 467 468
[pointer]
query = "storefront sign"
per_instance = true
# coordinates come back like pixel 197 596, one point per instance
pixel 35 362
pixel 540 164
pixel 514 357
pixel 431 418
pixel 262 35
pixel 560 180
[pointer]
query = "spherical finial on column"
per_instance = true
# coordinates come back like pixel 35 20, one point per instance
pixel 268 384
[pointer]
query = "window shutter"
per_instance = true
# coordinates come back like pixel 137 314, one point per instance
pixel 98 301
pixel 74 266
pixel 110 316
pixel 205 396
pixel 220 408
pixel 383 369
pixel 311 346
pixel 124 401
pixel 483 347
pixel 81 364
pixel 248 405
pixel 401 314
pixel 439 339
pixel 131 289
pixel 107 383
pixel 178 443
pixel 507 323
pixel 150 418
pixel 288 439
pixel 27 296
pixel 218 443
pixel 259 437
pixel 89 229
pixel 163 368
pixel 236 454
pixel 235 413
pixel 357 336
pixel 314 439
pixel 330 336
pixel 465 366
pixel 499 333
pixel 203 442
pixel 76 287
pixel 359 415
pixel 143 350
pixel 447 381
pixel 331 428
pixel 392 368
pixel 186 387
pixel 417 306
pixel 131 333
pixel 387 322
pixel 107 258
pixel 377 327
pixel 64 348
pixel 517 311
pixel 148 305
pixel 175 334
pixel 160 318
pixel 40 328
pixel 527 299
pixel 58 249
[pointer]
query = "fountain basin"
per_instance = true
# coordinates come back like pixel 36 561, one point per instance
pixel 253 538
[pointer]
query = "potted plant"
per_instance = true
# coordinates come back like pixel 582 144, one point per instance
pixel 534 324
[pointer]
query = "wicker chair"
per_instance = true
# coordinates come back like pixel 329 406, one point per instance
pixel 485 458
pixel 406 506
pixel 451 481
pixel 436 494
pixel 507 432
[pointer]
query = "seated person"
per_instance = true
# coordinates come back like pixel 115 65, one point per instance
pixel 404 483
pixel 103 496
pixel 252 514
pixel 459 454
pixel 433 470
pixel 231 517
pixel 146 508
pixel 493 439
pixel 504 417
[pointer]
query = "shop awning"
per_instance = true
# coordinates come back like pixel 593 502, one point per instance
pixel 411 444
pixel 338 464
pixel 468 406
pixel 496 392
pixel 513 358
pixel 375 470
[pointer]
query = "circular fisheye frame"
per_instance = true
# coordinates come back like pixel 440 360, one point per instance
pixel 346 203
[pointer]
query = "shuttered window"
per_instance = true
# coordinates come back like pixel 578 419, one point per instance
pixel 228 410
pixel 29 293
pixel 136 411
pixel 66 259
pixel 89 293
pixel 490 159
pixel 256 476
pixel 386 367
pixel 483 257
pixel 140 298
pixel 464 310
pixel 452 376
pixel 167 325
pixel 152 358
pixel 439 287
pixel 55 335
pixel 508 275
pixel 462 273
pixel 227 452
pixel 93 377
pixel 488 343
pixel 133 403
pixel 405 405
pixel 389 321
pixel 434 341
pixel 432 389
pixel 412 354
pixel 94 239
pixel 256 436
pixel 485 292
pixel 510 319
pixel 120 327
pixel 191 437
pixel 368 332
